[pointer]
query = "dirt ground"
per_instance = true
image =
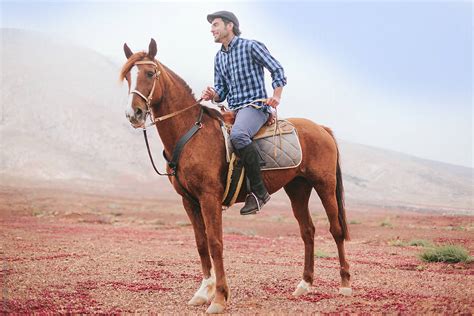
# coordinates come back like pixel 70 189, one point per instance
pixel 64 251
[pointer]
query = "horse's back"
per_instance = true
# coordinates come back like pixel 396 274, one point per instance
pixel 317 143
pixel 310 131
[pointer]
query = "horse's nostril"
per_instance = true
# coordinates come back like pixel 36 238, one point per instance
pixel 138 112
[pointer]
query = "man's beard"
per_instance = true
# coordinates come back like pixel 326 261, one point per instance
pixel 219 37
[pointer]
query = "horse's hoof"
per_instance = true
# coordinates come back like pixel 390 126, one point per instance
pixel 215 308
pixel 205 293
pixel 302 288
pixel 197 300
pixel 346 291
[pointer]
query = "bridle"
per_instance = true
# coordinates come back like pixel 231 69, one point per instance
pixel 148 99
pixel 173 162
pixel 156 76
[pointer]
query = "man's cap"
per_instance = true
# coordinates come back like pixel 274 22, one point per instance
pixel 223 14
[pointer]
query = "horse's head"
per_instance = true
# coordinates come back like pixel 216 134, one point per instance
pixel 141 72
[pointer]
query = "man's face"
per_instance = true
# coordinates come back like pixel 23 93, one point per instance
pixel 219 30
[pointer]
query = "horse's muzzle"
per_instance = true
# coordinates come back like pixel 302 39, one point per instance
pixel 137 119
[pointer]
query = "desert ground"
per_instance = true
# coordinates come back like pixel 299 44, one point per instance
pixel 67 250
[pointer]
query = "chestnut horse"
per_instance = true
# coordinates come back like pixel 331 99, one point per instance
pixel 202 172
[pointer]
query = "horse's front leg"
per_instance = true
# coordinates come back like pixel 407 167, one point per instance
pixel 208 285
pixel 211 210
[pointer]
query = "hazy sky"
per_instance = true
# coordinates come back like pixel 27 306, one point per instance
pixel 396 75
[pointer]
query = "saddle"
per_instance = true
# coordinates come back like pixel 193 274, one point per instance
pixel 278 146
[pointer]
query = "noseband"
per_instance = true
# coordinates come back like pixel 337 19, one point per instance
pixel 150 96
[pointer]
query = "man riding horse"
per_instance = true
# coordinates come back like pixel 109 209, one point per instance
pixel 200 178
pixel 239 78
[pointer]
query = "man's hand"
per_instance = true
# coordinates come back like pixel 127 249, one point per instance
pixel 273 101
pixel 271 119
pixel 208 94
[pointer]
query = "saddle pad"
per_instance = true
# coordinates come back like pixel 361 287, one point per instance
pixel 280 151
pixel 283 127
pixel 277 150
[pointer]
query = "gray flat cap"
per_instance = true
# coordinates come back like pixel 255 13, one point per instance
pixel 223 14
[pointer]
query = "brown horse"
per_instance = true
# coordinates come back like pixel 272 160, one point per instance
pixel 202 172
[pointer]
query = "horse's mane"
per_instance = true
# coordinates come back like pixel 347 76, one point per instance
pixel 177 78
pixel 213 113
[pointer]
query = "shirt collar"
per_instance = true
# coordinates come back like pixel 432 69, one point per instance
pixel 232 43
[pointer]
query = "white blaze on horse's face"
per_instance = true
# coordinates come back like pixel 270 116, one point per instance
pixel 130 111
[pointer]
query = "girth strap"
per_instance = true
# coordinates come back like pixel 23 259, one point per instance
pixel 173 163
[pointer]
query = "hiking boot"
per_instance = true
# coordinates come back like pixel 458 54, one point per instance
pixel 259 195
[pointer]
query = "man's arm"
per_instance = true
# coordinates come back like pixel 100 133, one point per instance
pixel 263 57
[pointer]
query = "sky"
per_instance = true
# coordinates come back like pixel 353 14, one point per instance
pixel 390 74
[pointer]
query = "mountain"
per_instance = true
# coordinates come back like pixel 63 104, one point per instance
pixel 62 119
pixel 386 177
pixel 62 114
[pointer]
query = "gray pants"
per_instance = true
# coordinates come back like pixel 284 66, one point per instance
pixel 247 123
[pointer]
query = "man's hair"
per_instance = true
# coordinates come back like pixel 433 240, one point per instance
pixel 235 28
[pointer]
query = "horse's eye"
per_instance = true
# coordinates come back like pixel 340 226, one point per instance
pixel 150 74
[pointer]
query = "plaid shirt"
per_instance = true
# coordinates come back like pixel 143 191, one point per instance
pixel 238 72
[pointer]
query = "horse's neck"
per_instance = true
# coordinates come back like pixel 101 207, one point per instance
pixel 175 98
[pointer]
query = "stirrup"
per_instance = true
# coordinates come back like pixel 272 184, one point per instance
pixel 259 202
pixel 256 200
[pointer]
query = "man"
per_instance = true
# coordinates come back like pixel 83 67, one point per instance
pixel 239 77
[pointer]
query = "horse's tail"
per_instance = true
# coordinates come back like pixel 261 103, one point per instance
pixel 341 214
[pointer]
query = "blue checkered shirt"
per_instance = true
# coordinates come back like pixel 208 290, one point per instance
pixel 238 72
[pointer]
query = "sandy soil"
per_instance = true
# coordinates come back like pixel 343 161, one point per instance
pixel 86 252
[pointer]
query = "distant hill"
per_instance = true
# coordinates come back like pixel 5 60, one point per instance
pixel 62 118
pixel 63 112
pixel 387 177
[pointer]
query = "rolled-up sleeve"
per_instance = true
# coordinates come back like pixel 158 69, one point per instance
pixel 263 57
pixel 219 82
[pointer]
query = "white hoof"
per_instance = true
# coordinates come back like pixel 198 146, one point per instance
pixel 346 291
pixel 215 308
pixel 302 288
pixel 197 300
pixel 205 293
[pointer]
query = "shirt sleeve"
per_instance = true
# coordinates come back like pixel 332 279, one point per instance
pixel 219 83
pixel 263 57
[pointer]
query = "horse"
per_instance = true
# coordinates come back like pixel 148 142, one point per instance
pixel 200 174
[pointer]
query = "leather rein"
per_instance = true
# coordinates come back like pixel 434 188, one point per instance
pixel 173 163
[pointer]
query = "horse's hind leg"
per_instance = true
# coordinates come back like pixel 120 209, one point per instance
pixel 327 194
pixel 299 191
pixel 208 285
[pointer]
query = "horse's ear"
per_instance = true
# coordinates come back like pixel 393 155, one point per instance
pixel 152 49
pixel 127 50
